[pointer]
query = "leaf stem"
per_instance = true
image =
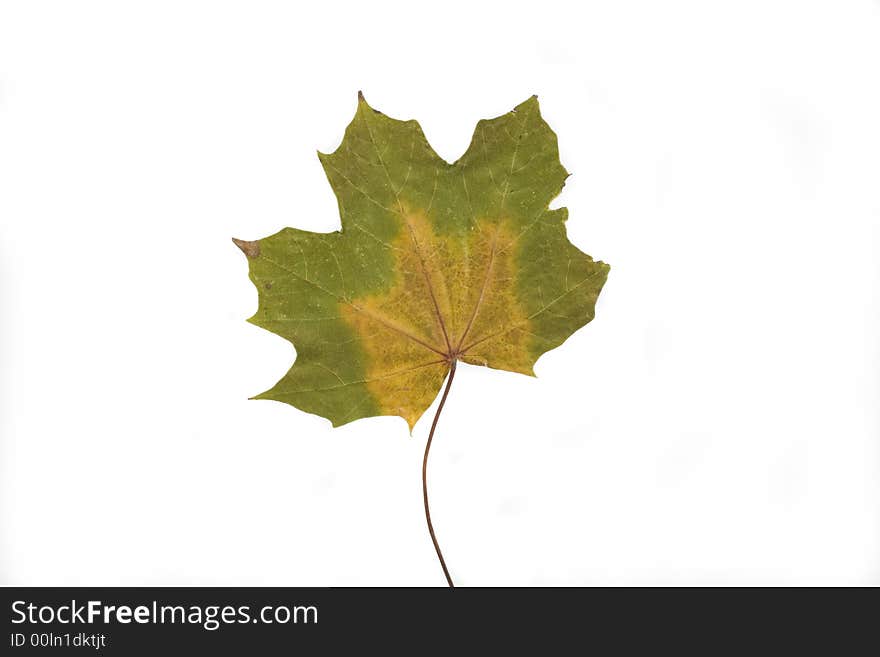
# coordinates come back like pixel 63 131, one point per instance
pixel 425 472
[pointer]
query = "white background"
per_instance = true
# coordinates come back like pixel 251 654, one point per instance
pixel 716 424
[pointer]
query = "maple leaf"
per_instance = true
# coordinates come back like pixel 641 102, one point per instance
pixel 435 263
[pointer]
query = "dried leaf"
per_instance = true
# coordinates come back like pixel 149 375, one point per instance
pixel 435 263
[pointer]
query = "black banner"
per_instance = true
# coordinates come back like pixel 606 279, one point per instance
pixel 170 621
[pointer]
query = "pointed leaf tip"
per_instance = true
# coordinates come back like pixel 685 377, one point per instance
pixel 530 102
pixel 250 249
pixel 363 104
